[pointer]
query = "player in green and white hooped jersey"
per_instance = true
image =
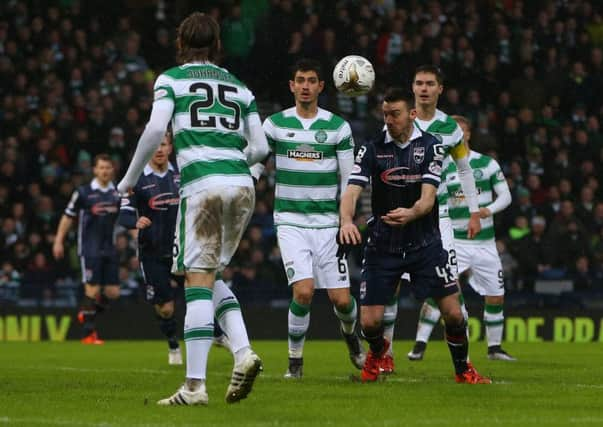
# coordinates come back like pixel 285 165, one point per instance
pixel 217 135
pixel 427 87
pixel 314 152
pixel 479 255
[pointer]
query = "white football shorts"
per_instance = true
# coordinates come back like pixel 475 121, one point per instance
pixel 311 253
pixel 209 227
pixel 483 261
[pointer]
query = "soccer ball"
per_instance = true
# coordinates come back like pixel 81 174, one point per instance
pixel 354 75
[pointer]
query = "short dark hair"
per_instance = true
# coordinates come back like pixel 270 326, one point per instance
pixel 397 94
pixel 102 156
pixel 306 64
pixel 432 69
pixel 198 38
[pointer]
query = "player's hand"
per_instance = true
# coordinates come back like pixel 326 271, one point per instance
pixel 58 250
pixel 348 235
pixel 474 225
pixel 124 189
pixel 143 222
pixel 398 217
pixel 484 213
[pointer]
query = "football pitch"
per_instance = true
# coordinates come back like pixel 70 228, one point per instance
pixel 68 384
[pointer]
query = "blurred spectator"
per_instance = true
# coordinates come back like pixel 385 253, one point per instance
pixel 583 276
pixel 39 280
pixel 75 84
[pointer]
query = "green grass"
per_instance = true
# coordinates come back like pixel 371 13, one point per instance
pixel 67 384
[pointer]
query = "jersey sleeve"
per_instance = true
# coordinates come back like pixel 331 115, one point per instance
pixel 268 127
pixel 163 89
pixel 74 205
pixel 431 169
pixel 345 138
pixel 128 213
pixel 453 143
pixel 363 166
pixel 497 176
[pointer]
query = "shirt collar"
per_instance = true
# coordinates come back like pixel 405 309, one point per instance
pixel 320 114
pixel 95 185
pixel 148 170
pixel 416 133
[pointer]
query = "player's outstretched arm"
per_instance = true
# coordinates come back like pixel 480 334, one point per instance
pixel 348 232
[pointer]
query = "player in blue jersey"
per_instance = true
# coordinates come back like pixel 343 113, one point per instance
pixel 151 209
pixel 96 205
pixel 403 167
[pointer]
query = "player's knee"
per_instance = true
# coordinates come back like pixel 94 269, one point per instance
pixel 303 294
pixel 495 300
pixel 111 292
pixel 341 302
pixel 304 298
pixel 454 318
pixel 165 312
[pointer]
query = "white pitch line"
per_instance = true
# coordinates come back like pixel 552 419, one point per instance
pixel 73 369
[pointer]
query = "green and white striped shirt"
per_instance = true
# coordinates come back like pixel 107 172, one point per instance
pixel 488 175
pixel 450 134
pixel 212 109
pixel 308 152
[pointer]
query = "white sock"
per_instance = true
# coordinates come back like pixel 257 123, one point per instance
pixel 494 320
pixel 428 318
pixel 228 313
pixel 198 330
pixel 348 316
pixel 298 323
pixel 390 314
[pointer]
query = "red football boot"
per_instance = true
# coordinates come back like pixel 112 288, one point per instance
pixel 387 364
pixel 372 365
pixel 471 376
pixel 92 339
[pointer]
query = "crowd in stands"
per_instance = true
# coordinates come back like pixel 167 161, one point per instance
pixel 528 74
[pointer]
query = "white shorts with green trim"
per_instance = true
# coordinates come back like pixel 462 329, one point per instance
pixel 481 257
pixel 311 253
pixel 209 227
